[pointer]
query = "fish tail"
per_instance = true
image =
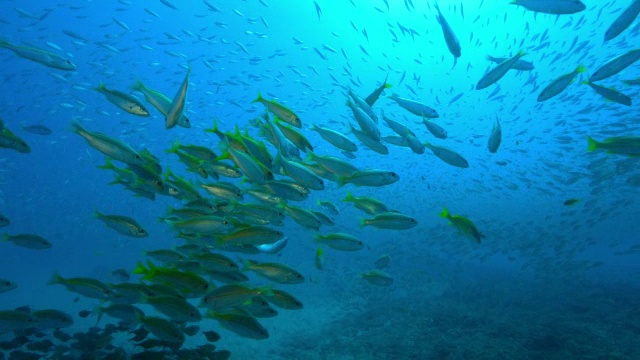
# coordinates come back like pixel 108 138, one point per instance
pixel 349 197
pixel 138 86
pixel 55 279
pixel 341 181
pixel 362 222
pixel 247 264
pixel 76 127
pixel 98 214
pixel 108 165
pixel 580 69
pixel 592 144
pixel 585 82
pixel 4 43
pixel 100 311
pixel 258 99
pixel 266 290
pixel 445 213
pixel 101 88
pixel 140 269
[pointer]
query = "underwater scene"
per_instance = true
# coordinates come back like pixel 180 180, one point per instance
pixel 300 179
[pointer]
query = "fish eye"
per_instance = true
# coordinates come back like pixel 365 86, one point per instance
pixel 138 157
pixel 225 222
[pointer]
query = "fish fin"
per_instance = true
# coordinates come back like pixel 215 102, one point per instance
pixel 592 144
pixel 76 127
pixel 55 279
pixel 140 269
pixel 258 99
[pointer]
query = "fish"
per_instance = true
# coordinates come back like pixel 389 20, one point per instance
pixel 10 141
pixel 560 84
pixel 373 97
pixel 555 7
pixel 223 190
pixel 453 44
pixel 280 111
pixel 229 296
pixel 29 241
pixel 334 165
pixel 367 204
pixel 609 93
pixel 41 56
pixel 123 224
pixel 319 260
pixel 370 178
pixel 435 129
pixel 185 282
pixel 283 300
pixel 495 138
pixel 299 173
pixel 623 21
pixel 52 319
pixel 327 205
pixel 162 328
pixel 390 220
pixel 215 262
pixel 241 324
pixel 492 76
pixel 339 241
pixel 335 138
pixel 570 202
pixel 176 110
pixel 161 102
pixel 415 107
pixel 377 278
pixel 37 129
pixel 463 225
pixel 520 65
pixel 362 104
pixel 382 262
pixel 279 273
pixel 369 142
pixel 7 285
pixel 109 146
pixel 274 248
pixel 623 145
pixel 125 312
pixel 84 286
pixel 447 155
pixel 177 309
pixel 615 65
pixel 16 320
pixel 251 235
pixel 365 121
pixel 302 216
pixel 124 101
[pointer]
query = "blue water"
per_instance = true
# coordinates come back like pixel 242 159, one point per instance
pixel 548 281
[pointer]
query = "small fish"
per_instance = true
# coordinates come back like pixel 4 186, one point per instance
pixel 555 7
pixel 283 300
pixel 373 97
pixel 520 65
pixel 280 111
pixel 52 319
pixel 340 241
pixel 570 202
pixel 176 110
pixel 10 141
pixel 274 248
pixel 169 4
pixel 435 129
pixel 382 262
pixel 229 296
pixel 609 93
pixel 109 146
pixel 123 224
pixel 84 286
pixel 623 145
pixel 492 76
pixel 336 138
pixel 176 308
pixel 16 320
pixel 275 272
pixel 37 129
pixel 29 241
pixel 328 205
pixel 370 178
pixel 453 44
pixel 318 10
pixel 447 155
pixel 241 324
pixel 161 328
pixel 7 285
pixel 415 107
pixel 495 137
pixel 558 85
pixel 319 259
pixel 161 102
pixel 623 21
pixel 367 204
pixel 377 278
pixel 39 55
pixel 615 65
pixel 124 101
pixel 390 220
pixel 4 221
pixel 462 224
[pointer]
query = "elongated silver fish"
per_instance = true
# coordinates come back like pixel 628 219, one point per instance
pixel 41 56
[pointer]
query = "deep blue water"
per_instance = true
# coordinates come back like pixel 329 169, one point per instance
pixel 547 281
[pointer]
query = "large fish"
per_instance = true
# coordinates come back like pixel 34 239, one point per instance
pixel 449 36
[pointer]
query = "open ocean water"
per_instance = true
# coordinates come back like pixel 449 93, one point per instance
pixel 538 258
